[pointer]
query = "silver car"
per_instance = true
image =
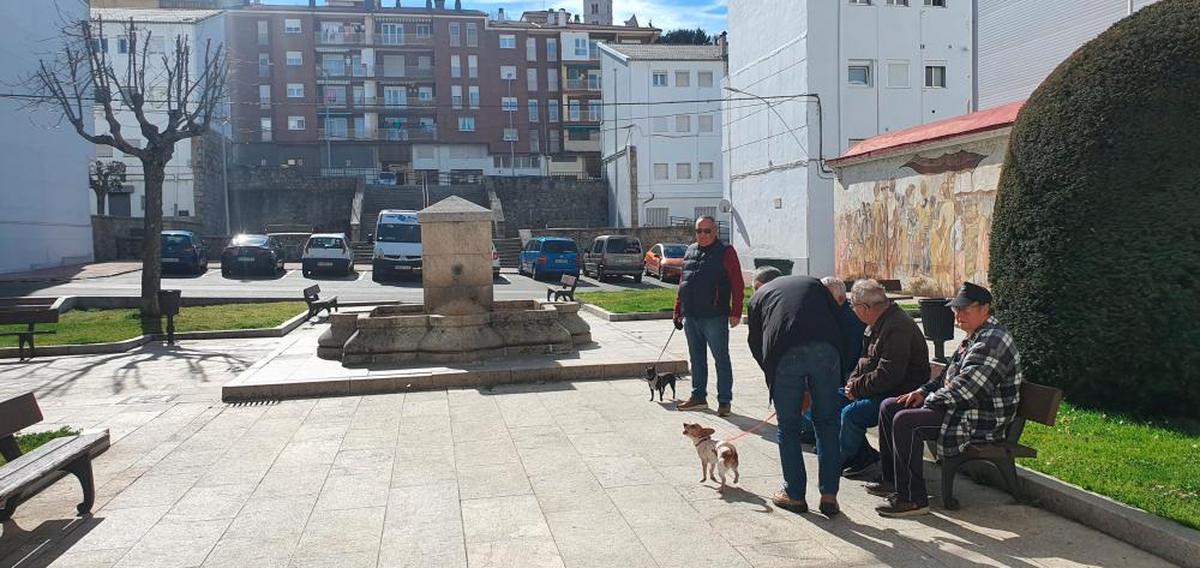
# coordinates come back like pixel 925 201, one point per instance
pixel 613 255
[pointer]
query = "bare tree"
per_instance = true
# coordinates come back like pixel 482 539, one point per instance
pixel 170 104
pixel 105 178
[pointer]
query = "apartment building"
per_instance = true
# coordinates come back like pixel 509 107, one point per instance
pixel 358 87
pixel 808 81
pixel 676 145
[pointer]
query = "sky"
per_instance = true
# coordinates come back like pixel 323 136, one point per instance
pixel 665 14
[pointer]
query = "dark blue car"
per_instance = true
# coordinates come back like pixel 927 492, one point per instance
pixel 183 251
pixel 549 257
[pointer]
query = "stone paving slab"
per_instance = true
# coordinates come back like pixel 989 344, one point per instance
pixel 571 474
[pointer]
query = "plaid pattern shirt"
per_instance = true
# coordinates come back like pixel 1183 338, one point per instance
pixel 979 390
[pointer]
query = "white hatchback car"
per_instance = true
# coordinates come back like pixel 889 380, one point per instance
pixel 327 252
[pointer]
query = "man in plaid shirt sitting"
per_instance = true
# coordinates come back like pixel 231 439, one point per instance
pixel 973 401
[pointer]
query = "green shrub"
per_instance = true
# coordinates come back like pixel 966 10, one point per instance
pixel 1096 237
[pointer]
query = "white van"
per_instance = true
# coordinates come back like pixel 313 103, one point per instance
pixel 397 245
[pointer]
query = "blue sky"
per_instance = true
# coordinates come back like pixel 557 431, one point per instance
pixel 666 14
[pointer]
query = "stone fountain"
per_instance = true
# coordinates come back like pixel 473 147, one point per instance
pixel 460 320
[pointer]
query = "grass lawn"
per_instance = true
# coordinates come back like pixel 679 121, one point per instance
pixel 1155 467
pixel 663 300
pixel 28 442
pixel 102 326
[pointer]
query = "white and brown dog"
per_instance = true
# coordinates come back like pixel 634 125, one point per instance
pixel 716 457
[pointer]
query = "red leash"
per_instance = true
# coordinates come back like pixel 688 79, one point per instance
pixel 754 429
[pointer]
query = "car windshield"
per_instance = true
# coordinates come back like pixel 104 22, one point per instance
pixel 325 243
pixel 623 246
pixel 250 241
pixel 395 233
pixel 559 246
pixel 674 251
pixel 175 242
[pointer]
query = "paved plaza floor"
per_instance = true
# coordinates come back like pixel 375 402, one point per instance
pixel 551 474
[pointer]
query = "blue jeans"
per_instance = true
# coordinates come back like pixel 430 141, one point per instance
pixel 857 417
pixel 814 367
pixel 703 335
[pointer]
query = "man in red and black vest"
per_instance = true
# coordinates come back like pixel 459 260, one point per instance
pixel 709 303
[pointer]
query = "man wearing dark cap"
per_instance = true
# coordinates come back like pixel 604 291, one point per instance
pixel 973 400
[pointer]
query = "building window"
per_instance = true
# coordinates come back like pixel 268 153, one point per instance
pixel 656 217
pixel 508 72
pixel 472 35
pixel 455 67
pixel 551 49
pixel 291 26
pixel 264 95
pixel 533 110
pixel 508 41
pixel 424 62
pixel 425 94
pixel 337 127
pixel 897 74
pixel 552 80
pixel 359 95
pixel 295 90
pixel 660 78
pixel 705 170
pixel 395 96
pixel 508 104
pixel 662 171
pixel 473 96
pixel 264 32
pixel 581 47
pixel 530 49
pixel 295 58
pixel 897 2
pixel 473 66
pixel 466 124
pixel 296 123
pixel 936 3
pixel 935 76
pixel 552 111
pixel 424 30
pixel 535 144
pixel 683 123
pixel 335 95
pixel 683 171
pixel 661 124
pixel 531 79
pixel 455 34
pixel 456 97
pixel 704 78
pixel 510 135
pixel 860 2
pixel 683 78
pixel 706 122
pixel 555 141
pixel 574 110
pixel 595 110
pixel 264 124
pixel 859 74
pixel 264 65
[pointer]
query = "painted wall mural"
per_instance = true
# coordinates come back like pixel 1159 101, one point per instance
pixel 922 219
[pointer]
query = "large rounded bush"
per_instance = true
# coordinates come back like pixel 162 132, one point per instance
pixel 1096 238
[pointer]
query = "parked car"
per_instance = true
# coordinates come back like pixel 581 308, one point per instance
pixel 665 261
pixel 545 257
pixel 252 254
pixel 327 252
pixel 183 250
pixel 397 250
pixel 495 262
pixel 613 255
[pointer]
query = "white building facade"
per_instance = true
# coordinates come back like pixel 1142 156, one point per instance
pixel 1021 41
pixel 44 197
pixel 199 27
pixel 676 145
pixel 875 65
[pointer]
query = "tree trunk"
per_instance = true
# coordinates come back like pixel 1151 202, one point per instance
pixel 100 203
pixel 154 172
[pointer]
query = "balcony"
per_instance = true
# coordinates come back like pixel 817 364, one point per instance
pixel 416 134
pixel 406 73
pixel 583 84
pixel 402 40
pixel 326 37
pixel 344 72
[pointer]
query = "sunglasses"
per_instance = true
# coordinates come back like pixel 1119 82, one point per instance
pixel 704 231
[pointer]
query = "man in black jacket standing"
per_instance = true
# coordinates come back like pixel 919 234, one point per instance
pixel 795 338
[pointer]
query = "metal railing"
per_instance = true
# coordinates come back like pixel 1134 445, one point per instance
pixel 403 40
pixel 325 37
pixel 583 84
pixel 417 134
pixel 408 72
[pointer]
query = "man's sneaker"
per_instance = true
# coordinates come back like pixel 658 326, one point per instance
pixel 861 467
pixel 899 509
pixel 781 500
pixel 723 409
pixel 880 489
pixel 692 404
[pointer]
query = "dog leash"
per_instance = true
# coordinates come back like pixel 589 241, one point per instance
pixel 764 422
pixel 664 349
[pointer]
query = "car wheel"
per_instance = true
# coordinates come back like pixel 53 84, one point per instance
pixel 225 273
pixel 306 272
pixel 637 279
pixel 534 274
pixel 599 274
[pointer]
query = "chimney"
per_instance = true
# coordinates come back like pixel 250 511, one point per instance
pixel 428 4
pixel 500 15
pixel 563 17
pixel 458 5
pixel 312 3
pixel 439 4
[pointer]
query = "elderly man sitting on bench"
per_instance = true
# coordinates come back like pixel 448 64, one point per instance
pixel 974 400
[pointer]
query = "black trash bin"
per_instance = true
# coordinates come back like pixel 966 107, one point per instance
pixel 168 305
pixel 784 265
pixel 938 321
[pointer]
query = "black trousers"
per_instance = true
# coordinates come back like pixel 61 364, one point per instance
pixel 902 435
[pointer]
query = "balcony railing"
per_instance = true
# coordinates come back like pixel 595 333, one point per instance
pixel 378 39
pixel 417 134
pixel 341 38
pixel 403 40
pixel 583 84
pixel 408 72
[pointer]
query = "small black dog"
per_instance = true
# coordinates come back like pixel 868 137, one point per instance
pixel 660 382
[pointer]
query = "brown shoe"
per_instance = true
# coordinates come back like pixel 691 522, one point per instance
pixel 880 489
pixel 781 500
pixel 899 509
pixel 692 404
pixel 829 508
pixel 723 409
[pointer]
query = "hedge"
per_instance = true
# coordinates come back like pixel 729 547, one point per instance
pixel 1095 258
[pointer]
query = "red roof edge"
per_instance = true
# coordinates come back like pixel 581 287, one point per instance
pixel 973 123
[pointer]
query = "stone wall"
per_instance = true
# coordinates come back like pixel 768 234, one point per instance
pixel 540 202
pixel 272 196
pixel 208 185
pixel 649 236
pixel 120 238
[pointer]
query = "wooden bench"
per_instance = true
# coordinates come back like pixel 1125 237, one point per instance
pixel 565 291
pixel 26 475
pixel 312 297
pixel 28 316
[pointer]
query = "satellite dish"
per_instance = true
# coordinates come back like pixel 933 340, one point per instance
pixel 726 206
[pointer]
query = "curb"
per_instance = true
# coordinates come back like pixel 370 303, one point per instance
pixel 633 316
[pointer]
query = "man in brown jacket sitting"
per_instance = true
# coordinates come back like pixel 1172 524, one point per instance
pixel 894 361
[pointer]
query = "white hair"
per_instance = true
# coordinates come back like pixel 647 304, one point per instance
pixel 766 274
pixel 868 292
pixel 836 287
